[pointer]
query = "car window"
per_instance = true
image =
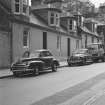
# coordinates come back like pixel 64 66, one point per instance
pixel 80 51
pixel 45 54
pixel 35 54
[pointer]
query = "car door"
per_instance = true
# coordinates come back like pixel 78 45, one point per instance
pixel 47 58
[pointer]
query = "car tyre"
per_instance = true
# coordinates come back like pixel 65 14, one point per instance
pixel 54 67
pixel 15 74
pixel 69 64
pixel 84 62
pixel 36 71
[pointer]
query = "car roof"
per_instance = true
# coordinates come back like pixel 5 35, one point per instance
pixel 94 43
pixel 82 49
pixel 41 50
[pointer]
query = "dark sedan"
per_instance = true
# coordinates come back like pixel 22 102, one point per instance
pixel 80 57
pixel 34 63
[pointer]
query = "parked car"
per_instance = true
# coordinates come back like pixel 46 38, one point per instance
pixel 80 57
pixel 34 63
pixel 97 51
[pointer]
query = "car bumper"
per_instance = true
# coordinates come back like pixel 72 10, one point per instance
pixel 75 62
pixel 20 69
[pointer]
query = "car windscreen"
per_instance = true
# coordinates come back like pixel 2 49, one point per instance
pixel 45 54
pixel 35 54
pixel 80 51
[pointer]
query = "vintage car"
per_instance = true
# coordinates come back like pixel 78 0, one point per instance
pixel 34 63
pixel 97 51
pixel 80 57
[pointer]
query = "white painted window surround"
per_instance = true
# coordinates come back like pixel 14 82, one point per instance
pixel 71 25
pixel 26 38
pixel 53 18
pixel 20 7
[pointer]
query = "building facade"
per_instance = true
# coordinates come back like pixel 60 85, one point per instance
pixel 41 26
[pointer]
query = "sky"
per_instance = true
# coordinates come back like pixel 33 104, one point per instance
pixel 97 2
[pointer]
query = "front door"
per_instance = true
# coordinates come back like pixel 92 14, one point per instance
pixel 44 40
pixel 68 46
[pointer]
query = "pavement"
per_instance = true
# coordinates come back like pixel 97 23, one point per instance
pixel 7 73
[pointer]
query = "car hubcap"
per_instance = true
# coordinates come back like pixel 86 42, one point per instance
pixel 36 71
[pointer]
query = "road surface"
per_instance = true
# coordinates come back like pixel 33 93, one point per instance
pixel 68 86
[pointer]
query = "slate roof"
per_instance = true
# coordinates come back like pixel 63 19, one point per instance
pixel 84 29
pixel 67 15
pixel 90 20
pixel 52 1
pixel 6 4
pixel 45 7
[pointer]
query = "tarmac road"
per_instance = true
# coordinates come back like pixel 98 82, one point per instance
pixel 68 86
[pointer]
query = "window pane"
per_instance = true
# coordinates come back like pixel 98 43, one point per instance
pixel 16 0
pixel 70 24
pixel 16 7
pixel 24 8
pixel 52 14
pixel 57 19
pixel 25 2
pixel 52 20
pixel 25 38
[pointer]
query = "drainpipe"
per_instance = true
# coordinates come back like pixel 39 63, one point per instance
pixel 11 42
pixel 104 36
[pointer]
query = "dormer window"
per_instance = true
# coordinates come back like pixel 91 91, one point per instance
pixel 53 19
pixel 17 6
pixel 21 6
pixel 70 24
pixel 57 19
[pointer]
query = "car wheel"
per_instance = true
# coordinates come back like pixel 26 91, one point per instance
pixel 36 71
pixel 15 74
pixel 84 62
pixel 54 67
pixel 103 59
pixel 69 64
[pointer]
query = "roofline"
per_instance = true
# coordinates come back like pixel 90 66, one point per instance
pixel 42 27
pixel 91 34
pixel 47 8
pixel 68 17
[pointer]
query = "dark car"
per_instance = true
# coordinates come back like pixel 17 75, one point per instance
pixel 34 63
pixel 80 57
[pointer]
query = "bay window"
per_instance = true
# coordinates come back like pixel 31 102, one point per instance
pixel 21 6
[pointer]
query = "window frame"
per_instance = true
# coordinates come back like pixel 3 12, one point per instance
pixel 70 24
pixel 23 7
pixel 24 4
pixel 55 18
pixel 16 3
pixel 26 38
